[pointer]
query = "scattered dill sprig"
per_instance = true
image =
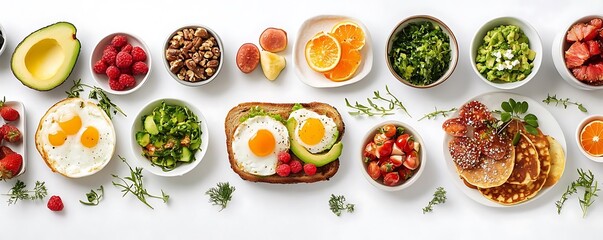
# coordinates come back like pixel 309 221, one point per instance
pixel 93 198
pixel 338 203
pixel 20 192
pixel 436 113
pixel 564 102
pixel 221 194
pixel 590 185
pixel 373 109
pixel 136 187
pixel 96 93
pixel 439 196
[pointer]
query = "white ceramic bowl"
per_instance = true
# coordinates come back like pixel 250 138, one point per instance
pixel 183 168
pixel 21 146
pixel 527 29
pixel 101 79
pixel 368 137
pixel 559 47
pixel 582 124
pixel 3 45
pixel 200 83
pixel 454 54
pixel 325 23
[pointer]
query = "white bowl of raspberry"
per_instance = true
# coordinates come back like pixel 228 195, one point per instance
pixel 120 63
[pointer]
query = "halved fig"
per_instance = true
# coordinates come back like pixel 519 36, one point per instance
pixel 273 40
pixel 248 57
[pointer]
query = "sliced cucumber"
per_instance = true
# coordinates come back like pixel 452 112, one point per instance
pixel 186 156
pixel 143 139
pixel 150 126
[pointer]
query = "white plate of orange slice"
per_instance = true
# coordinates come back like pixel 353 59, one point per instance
pixel 332 51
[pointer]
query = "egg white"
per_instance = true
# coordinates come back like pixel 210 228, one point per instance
pixel 331 132
pixel 247 160
pixel 72 159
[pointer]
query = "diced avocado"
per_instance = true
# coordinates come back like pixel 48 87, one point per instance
pixel 150 126
pixel 169 162
pixel 45 58
pixel 303 154
pixel 143 138
pixel 186 155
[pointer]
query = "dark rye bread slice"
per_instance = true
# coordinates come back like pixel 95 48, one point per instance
pixel 232 121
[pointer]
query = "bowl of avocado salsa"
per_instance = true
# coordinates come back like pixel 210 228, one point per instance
pixel 506 52
pixel 422 51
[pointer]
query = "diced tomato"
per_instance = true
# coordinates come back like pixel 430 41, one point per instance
pixel 389 130
pixel 373 170
pixel 386 167
pixel 576 55
pixel 397 151
pixel 594 47
pixel 412 161
pixel 380 138
pixel 391 179
pixel 401 140
pixel 370 151
pixel 596 22
pixel 455 127
pixel 396 160
pixel 405 173
pixel 385 150
pixel 410 146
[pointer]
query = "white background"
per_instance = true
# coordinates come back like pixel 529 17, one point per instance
pixel 289 211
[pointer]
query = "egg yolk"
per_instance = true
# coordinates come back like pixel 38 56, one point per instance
pixel 57 139
pixel 71 126
pixel 90 137
pixel 312 131
pixel 262 143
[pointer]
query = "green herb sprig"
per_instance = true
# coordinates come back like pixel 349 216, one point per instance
pixel 515 110
pixel 93 198
pixel 20 192
pixel 590 185
pixel 96 93
pixel 564 102
pixel 337 203
pixel 436 113
pixel 133 184
pixel 221 194
pixel 439 196
pixel 373 109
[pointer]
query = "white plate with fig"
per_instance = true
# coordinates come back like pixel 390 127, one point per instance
pixel 332 51
pixel 504 149
pixel 12 130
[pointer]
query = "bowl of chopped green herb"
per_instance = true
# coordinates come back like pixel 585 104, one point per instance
pixel 506 52
pixel 421 51
pixel 2 39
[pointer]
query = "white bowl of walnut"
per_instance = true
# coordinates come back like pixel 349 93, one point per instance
pixel 193 55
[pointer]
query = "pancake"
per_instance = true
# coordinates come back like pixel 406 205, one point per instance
pixel 527 164
pixel 489 173
pixel 557 162
pixel 510 194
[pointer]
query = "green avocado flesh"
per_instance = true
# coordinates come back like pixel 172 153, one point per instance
pixel 45 58
pixel 303 154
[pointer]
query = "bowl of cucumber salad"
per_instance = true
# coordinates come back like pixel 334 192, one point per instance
pixel 169 137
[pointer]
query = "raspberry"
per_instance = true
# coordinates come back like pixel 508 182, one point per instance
pixel 138 54
pixel 310 169
pixel 113 72
pixel 284 156
pixel 296 166
pixel 114 84
pixel 127 80
pixel 109 57
pixel 123 60
pixel 127 48
pixel 283 170
pixel 126 70
pixel 55 203
pixel 100 67
pixel 140 68
pixel 119 41
pixel 109 48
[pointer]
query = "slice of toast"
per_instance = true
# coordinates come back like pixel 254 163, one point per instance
pixel 232 121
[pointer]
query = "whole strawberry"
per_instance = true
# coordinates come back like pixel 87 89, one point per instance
pixel 55 203
pixel 8 113
pixel 10 165
pixel 10 133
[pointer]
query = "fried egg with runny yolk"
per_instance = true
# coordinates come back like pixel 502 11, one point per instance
pixel 256 144
pixel 314 131
pixel 75 138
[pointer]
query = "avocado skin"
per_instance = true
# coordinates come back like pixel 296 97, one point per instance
pixel 76 53
pixel 303 154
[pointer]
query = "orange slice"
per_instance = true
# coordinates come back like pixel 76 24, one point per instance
pixel 323 52
pixel 347 66
pixel 349 32
pixel 591 138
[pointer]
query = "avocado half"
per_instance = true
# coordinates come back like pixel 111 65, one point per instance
pixel 46 57
pixel 303 154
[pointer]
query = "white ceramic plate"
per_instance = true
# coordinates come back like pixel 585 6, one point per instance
pixel 183 168
pixel 325 23
pixel 548 125
pixel 20 147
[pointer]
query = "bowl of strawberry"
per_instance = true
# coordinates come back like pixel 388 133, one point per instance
pixel 12 145
pixel 120 63
pixel 392 156
pixel 578 53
